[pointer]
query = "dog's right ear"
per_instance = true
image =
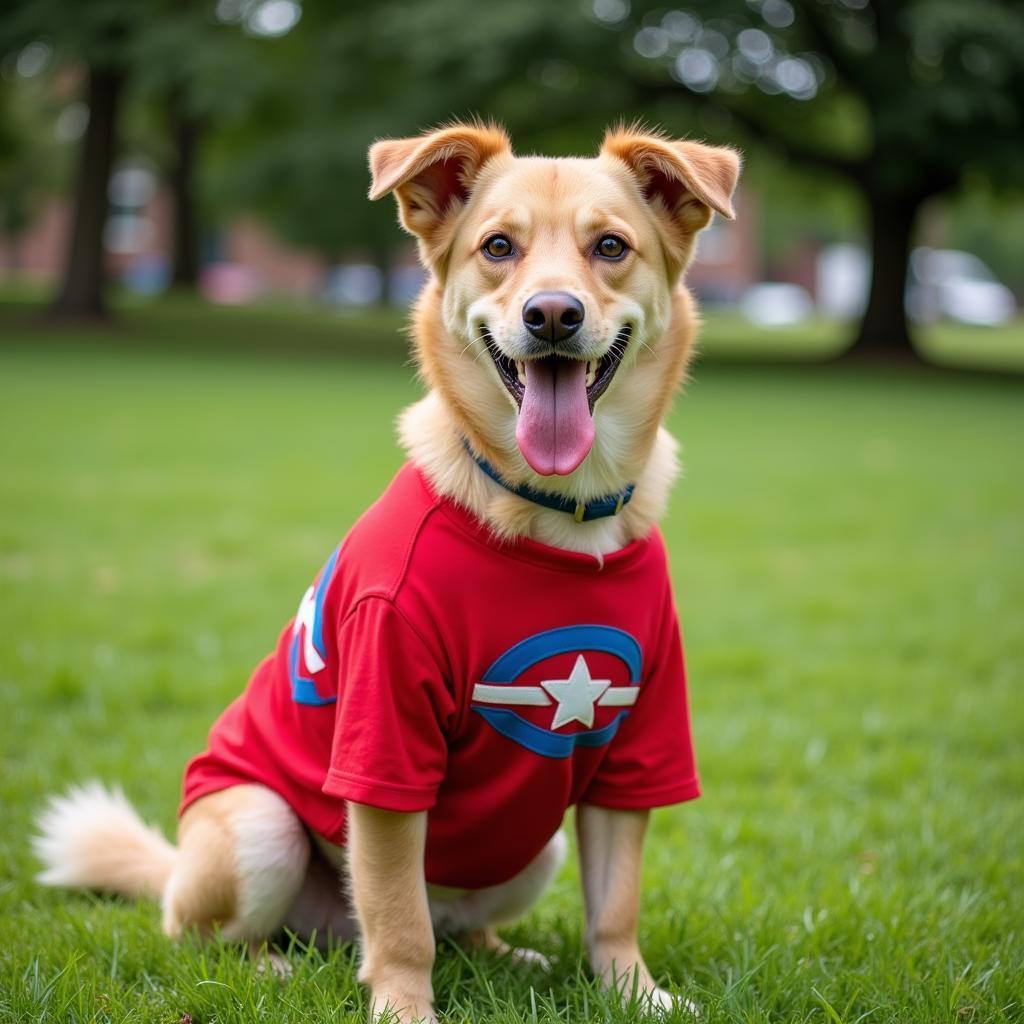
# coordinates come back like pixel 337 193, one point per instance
pixel 433 175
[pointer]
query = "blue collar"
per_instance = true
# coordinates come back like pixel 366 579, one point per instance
pixel 582 512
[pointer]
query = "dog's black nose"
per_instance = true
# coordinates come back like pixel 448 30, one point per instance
pixel 553 316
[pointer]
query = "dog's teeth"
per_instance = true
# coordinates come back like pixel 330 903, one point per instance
pixel 521 371
pixel 591 371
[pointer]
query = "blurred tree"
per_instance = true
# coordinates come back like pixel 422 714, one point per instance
pixel 185 131
pixel 900 98
pixel 27 162
pixel 97 36
pixel 298 157
pixel 370 68
pixel 194 73
pixel 81 291
pixel 172 56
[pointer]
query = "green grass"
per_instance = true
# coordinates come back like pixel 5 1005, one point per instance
pixel 848 551
pixel 728 335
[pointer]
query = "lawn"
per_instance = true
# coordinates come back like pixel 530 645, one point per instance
pixel 848 552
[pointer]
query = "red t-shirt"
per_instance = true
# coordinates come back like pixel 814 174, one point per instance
pixel 494 684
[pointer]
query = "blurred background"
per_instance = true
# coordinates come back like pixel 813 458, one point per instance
pixel 217 149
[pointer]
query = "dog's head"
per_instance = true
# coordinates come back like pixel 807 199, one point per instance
pixel 554 326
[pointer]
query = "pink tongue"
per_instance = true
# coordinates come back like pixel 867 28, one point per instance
pixel 555 429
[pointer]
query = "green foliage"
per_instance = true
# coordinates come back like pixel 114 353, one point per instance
pixel 899 95
pixel 349 75
pixel 849 577
pixel 29 159
pixel 99 32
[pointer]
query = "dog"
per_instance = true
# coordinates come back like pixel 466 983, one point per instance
pixel 495 640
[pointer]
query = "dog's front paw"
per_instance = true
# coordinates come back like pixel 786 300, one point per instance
pixel 660 1000
pixel 656 1001
pixel 624 972
pixel 393 1008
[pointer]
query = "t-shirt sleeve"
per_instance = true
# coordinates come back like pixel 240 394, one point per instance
pixel 393 712
pixel 650 761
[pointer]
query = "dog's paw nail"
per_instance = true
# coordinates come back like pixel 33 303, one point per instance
pixel 531 957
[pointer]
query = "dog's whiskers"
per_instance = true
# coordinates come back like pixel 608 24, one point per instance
pixel 654 352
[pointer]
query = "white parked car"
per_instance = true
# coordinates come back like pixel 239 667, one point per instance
pixel 953 285
pixel 942 284
pixel 776 305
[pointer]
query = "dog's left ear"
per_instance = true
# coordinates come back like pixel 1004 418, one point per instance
pixel 684 181
pixel 433 175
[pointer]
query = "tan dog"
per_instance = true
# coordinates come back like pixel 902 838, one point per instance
pixel 552 336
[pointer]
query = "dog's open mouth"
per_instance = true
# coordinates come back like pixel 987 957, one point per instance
pixel 556 397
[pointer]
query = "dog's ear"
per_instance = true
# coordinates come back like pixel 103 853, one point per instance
pixel 684 181
pixel 432 175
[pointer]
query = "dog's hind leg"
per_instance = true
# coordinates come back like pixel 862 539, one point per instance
pixel 473 917
pixel 322 911
pixel 242 858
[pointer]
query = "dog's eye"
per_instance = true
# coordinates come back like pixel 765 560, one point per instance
pixel 498 247
pixel 611 247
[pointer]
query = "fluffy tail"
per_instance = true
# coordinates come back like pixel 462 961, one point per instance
pixel 92 838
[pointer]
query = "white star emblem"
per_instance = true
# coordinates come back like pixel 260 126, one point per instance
pixel 576 695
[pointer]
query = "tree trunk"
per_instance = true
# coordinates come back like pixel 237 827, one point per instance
pixel 884 332
pixel 185 131
pixel 82 287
